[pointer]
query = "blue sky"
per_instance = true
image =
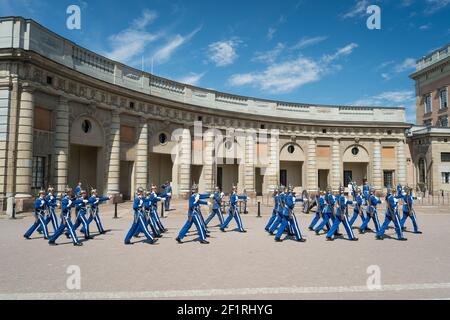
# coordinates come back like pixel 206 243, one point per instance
pixel 301 51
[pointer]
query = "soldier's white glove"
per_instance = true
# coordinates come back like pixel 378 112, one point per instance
pixel 209 203
pixel 248 199
pixel 382 201
pixel 211 196
pixel 85 201
pixel 222 195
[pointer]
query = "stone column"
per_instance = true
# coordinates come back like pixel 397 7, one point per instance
pixel 4 124
pixel 141 173
pixel 336 165
pixel 401 163
pixel 114 158
pixel 271 176
pixel 184 165
pixel 25 144
pixel 61 144
pixel 209 161
pixel 312 175
pixel 377 179
pixel 250 161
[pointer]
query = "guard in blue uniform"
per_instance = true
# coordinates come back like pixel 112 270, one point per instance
pixel 94 202
pixel 327 212
pixel 276 205
pixel 154 199
pixel 66 223
pixel 358 207
pixel 391 216
pixel 320 204
pixel 281 203
pixel 195 200
pixel 289 219
pixel 167 194
pixel 149 219
pixel 371 213
pixel 80 209
pixel 341 217
pixel 233 212
pixel 51 204
pixel 139 221
pixel 39 217
pixel 366 192
pixel 77 190
pixel 217 197
pixel 408 210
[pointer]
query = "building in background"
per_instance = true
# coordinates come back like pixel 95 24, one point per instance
pixel 429 141
pixel 68 114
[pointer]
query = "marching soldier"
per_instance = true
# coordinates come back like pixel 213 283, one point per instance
pixel 281 201
pixel 66 223
pixel 276 206
pixel 357 209
pixel 78 189
pixel 233 212
pixel 154 199
pixel 328 211
pixel 341 217
pixel 366 192
pixel 139 223
pixel 50 202
pixel 195 200
pixel 320 204
pixel 94 202
pixel 391 216
pixel 289 219
pixel 149 219
pixel 218 198
pixel 39 217
pixel 371 212
pixel 80 208
pixel 408 211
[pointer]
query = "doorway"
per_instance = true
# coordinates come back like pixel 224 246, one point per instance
pixel 323 178
pixel 83 166
pixel 126 178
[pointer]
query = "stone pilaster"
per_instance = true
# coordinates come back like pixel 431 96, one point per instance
pixel 311 170
pixel 141 173
pixel 4 119
pixel 250 162
pixel 336 165
pixel 25 144
pixel 273 171
pixel 114 155
pixel 184 165
pixel 209 161
pixel 61 145
pixel 377 179
pixel 401 163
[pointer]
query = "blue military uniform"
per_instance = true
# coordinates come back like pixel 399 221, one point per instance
pixel 279 218
pixel 276 199
pixel 66 223
pixel 357 210
pixel 39 216
pixel 50 203
pixel 195 200
pixel 80 209
pixel 371 213
pixel 234 212
pixel 94 202
pixel 391 216
pixel 327 212
pixel 341 217
pixel 320 204
pixel 216 211
pixel 409 212
pixel 168 196
pixel 289 219
pixel 139 222
pixel 154 199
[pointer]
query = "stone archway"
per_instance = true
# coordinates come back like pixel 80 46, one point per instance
pixel 356 161
pixel 292 159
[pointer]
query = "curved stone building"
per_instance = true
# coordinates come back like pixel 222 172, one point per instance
pixel 68 114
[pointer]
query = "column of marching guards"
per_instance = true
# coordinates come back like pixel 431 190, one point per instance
pixel 86 210
pixel 331 211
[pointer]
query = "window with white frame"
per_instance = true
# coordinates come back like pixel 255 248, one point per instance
pixel 446 177
pixel 388 179
pixel 443 121
pixel 443 98
pixel 428 103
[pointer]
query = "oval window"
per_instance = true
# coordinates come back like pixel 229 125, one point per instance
pixel 228 145
pixel 162 138
pixel 86 126
pixel 291 149
pixel 355 151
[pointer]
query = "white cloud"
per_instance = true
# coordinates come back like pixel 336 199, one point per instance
pixel 271 55
pixel 436 5
pixel 307 42
pixel 192 79
pixel 405 65
pixel 425 27
pixel 388 99
pixel 286 76
pixel 408 64
pixel 133 40
pixel 223 53
pixel 164 53
pixel 270 33
pixel 358 10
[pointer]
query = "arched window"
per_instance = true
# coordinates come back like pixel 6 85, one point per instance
pixel 422 173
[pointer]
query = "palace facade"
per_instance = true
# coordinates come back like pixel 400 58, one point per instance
pixel 68 114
